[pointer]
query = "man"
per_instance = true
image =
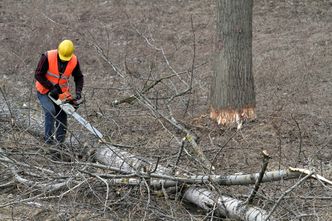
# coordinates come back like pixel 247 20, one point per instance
pixel 52 77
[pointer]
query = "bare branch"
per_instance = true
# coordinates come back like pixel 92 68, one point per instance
pixel 288 191
pixel 266 158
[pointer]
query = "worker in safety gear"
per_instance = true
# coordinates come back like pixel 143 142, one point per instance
pixel 52 75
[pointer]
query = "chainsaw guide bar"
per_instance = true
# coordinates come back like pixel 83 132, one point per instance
pixel 70 110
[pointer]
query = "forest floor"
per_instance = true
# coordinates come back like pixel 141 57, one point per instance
pixel 151 40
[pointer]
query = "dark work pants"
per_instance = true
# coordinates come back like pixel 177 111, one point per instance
pixel 54 116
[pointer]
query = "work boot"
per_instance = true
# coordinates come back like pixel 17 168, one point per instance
pixel 50 141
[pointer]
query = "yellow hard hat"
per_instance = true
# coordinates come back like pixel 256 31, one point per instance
pixel 66 50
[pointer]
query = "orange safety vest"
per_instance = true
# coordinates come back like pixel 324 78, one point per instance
pixel 53 74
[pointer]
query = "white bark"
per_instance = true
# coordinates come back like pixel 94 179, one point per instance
pixel 47 187
pixel 225 206
pixel 130 163
pixel 202 197
pixel 159 181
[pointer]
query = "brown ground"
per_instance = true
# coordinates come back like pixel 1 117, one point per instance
pixel 292 53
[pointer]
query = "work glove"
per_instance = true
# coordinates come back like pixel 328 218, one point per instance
pixel 77 101
pixel 56 90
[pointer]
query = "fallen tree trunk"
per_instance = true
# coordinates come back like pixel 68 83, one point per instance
pixel 130 163
pixel 126 162
pixel 224 206
pixel 199 196
pixel 164 181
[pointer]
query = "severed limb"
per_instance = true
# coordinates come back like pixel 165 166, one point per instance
pixel 124 161
pixel 316 176
pixel 159 180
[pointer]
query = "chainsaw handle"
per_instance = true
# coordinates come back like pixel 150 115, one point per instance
pixel 65 96
pixel 76 103
pixel 57 102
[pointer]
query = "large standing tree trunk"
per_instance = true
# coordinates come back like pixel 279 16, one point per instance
pixel 232 89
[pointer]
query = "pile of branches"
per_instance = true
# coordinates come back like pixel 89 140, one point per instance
pixel 112 176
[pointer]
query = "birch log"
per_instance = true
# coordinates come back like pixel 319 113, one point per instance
pixel 127 162
pixel 200 196
pixel 224 206
pixel 130 163
pixel 158 181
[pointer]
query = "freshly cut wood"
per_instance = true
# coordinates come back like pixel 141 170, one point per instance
pixel 228 116
pixel 224 206
pixel 307 172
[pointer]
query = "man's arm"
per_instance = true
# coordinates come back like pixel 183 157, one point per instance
pixel 41 70
pixel 78 79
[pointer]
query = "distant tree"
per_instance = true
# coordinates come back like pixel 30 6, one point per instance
pixel 232 89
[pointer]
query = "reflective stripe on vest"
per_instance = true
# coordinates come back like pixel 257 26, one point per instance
pixel 53 74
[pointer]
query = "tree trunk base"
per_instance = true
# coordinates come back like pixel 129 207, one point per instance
pixel 229 117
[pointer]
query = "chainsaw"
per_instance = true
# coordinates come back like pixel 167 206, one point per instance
pixel 69 106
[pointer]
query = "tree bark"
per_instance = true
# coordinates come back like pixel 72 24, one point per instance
pixel 202 197
pixel 225 206
pixel 232 89
pixel 114 157
pixel 124 161
pixel 163 180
